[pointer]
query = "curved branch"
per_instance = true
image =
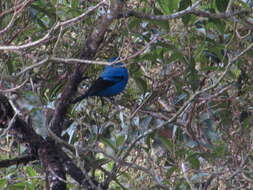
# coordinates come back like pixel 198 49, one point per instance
pixel 17 11
pixel 189 10
pixel 17 7
pixel 88 52
pixel 49 34
pixel 178 14
pixel 16 161
pixel 225 15
pixel 54 160
pixel 14 88
pixel 84 61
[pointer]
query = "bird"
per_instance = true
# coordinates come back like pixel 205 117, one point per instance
pixel 112 81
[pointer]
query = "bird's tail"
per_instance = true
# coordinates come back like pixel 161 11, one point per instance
pixel 79 99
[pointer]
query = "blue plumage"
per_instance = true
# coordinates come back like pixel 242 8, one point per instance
pixel 111 82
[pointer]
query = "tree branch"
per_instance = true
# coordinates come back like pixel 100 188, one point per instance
pixel 53 159
pixel 16 161
pixel 83 61
pixel 88 52
pixel 178 14
pixel 51 31
pixel 17 11
pixel 189 10
pixel 17 7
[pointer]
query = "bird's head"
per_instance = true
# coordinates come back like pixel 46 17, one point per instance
pixel 116 71
pixel 114 59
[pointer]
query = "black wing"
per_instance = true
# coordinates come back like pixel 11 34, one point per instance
pixel 97 86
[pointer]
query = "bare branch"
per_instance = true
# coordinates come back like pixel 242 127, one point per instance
pixel 16 161
pixel 15 8
pixel 73 60
pixel 225 15
pixel 162 17
pixel 77 19
pixel 17 11
pixel 87 52
pixel 28 45
pixel 189 10
pixel 33 66
pixel 15 88
pixel 83 61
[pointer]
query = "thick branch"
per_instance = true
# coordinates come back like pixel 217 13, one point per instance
pixel 16 161
pixel 190 10
pixel 88 52
pixel 55 162
pixel 77 174
pixel 218 15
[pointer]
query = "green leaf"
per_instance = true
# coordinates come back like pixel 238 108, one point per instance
pixel 120 140
pixel 168 6
pixel 17 186
pixel 163 24
pixel 51 93
pixel 171 170
pixel 100 162
pixel 148 140
pixel 193 160
pixel 44 13
pixel 219 151
pixel 236 72
pixel 31 172
pixel 218 24
pixel 141 83
pixel 3 183
pixel 246 4
pixel 183 5
pixel 109 142
pixel 134 23
pixel 75 4
pixel 221 5
pixel 54 2
pixel 193 76
pixel 167 143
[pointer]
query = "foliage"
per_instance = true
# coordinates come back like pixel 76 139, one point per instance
pixel 142 135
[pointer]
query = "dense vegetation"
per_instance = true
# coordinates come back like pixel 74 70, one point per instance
pixel 183 122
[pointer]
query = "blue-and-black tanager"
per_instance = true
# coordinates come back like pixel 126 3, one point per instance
pixel 111 82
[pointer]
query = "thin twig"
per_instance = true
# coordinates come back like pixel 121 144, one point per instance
pixel 163 17
pixel 9 125
pixel 15 8
pixel 57 26
pixel 33 66
pixel 17 11
pixel 14 88
pixel 74 60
